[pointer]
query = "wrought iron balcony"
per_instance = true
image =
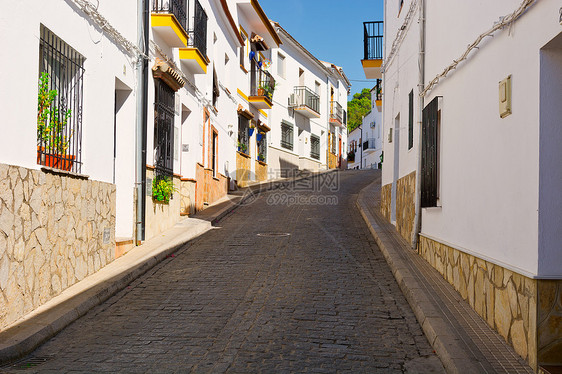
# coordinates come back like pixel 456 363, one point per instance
pixel 169 21
pixel 305 101
pixel 175 7
pixel 336 112
pixel 372 41
pixel 262 88
pixel 369 144
pixel 198 28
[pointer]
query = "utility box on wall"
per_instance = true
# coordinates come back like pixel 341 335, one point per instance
pixel 505 97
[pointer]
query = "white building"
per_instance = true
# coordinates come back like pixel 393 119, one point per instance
pixel 365 141
pixel 309 115
pixel 474 108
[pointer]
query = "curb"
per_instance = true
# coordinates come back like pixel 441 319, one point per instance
pixel 439 332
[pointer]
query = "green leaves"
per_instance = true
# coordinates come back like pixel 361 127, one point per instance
pixel 50 122
pixel 162 188
pixel 357 108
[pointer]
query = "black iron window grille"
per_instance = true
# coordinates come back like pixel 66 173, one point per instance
pixel 198 28
pixel 333 142
pixel 315 147
pixel 262 84
pixel 411 120
pixel 60 96
pixel 164 104
pixel 287 136
pixel 175 7
pixel 303 96
pixel 430 153
pixel 243 135
pixel 372 40
pixel 378 90
pixel 262 147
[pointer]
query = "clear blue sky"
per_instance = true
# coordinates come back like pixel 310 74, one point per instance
pixel 332 30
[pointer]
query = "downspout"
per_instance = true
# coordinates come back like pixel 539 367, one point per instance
pixel 142 107
pixel 421 77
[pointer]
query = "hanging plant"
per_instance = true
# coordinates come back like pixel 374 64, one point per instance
pixel 162 188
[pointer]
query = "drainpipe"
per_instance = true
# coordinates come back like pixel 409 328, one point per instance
pixel 421 64
pixel 142 107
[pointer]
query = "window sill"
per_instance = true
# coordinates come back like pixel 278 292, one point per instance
pixel 51 170
pixel 243 154
pixel 262 163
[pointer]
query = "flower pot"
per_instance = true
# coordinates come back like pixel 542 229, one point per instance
pixel 57 161
pixel 261 92
pixel 259 137
pixel 250 131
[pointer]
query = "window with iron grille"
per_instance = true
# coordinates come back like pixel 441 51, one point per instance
pixel 287 135
pixel 59 115
pixel 243 136
pixel 315 147
pixel 430 154
pixel 198 27
pixel 164 128
pixel 262 146
pixel 333 142
pixel 411 119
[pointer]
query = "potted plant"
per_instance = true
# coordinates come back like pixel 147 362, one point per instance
pixel 242 147
pixel 261 158
pixel 51 125
pixel 162 189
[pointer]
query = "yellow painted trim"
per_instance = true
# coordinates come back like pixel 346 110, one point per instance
pixel 194 54
pixel 169 20
pixel 244 96
pixel 259 99
pixel 244 31
pixel 371 63
pixel 263 113
pixel 378 102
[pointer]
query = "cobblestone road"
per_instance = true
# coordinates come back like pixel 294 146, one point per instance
pixel 321 299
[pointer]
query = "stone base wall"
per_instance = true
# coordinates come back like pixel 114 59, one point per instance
pixel 187 196
pixel 261 171
pixel 243 169
pixel 307 164
pixel 161 216
pixel 51 236
pixel 386 196
pixel 526 312
pixel 332 161
pixel 208 188
pixel 405 205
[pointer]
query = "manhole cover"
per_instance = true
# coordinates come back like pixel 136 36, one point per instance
pixel 273 234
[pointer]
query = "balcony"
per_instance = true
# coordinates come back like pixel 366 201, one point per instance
pixel 372 41
pixel 305 102
pixel 369 146
pixel 336 113
pixel 168 20
pixel 262 89
pixel 194 57
pixel 378 95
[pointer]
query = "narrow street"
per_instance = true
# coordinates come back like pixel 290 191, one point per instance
pixel 274 288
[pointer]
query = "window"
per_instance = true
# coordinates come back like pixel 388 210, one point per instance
pixel 244 49
pixel 315 147
pixel 281 65
pixel 344 117
pixel 430 154
pixel 59 117
pixel 262 146
pixel 287 135
pixel 164 128
pixel 243 136
pixel 411 119
pixel 214 152
pixel 216 92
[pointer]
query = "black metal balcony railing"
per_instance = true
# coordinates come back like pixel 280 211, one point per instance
pixel 369 144
pixel 198 28
pixel 373 40
pixel 176 7
pixel 378 90
pixel 336 111
pixel 303 96
pixel 262 84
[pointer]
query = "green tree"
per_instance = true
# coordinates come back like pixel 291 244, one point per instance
pixel 357 108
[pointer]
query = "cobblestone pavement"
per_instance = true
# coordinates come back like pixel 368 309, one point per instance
pixel 321 299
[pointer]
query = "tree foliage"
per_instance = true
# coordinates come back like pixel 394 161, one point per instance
pixel 357 108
